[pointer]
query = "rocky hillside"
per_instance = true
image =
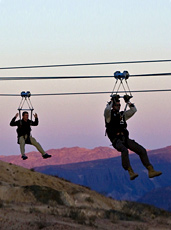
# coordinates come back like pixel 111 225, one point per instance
pixel 31 200
pixel 108 177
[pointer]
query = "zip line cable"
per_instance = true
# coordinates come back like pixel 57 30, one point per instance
pixel 88 93
pixel 84 64
pixel 78 77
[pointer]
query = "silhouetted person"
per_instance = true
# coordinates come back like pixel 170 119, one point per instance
pixel 24 134
pixel 116 129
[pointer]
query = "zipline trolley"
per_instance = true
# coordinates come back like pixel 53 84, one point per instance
pixel 25 98
pixel 121 80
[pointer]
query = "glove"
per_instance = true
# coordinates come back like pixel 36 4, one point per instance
pixel 126 98
pixel 109 102
pixel 115 98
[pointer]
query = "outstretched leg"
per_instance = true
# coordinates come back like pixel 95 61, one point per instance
pixel 37 145
pixel 138 149
pixel 132 145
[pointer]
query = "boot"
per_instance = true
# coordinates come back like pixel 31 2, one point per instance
pixel 46 155
pixel 152 173
pixel 24 157
pixel 132 174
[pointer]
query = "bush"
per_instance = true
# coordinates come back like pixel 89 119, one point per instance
pixel 77 215
pixel 1 204
pixel 44 194
pixel 89 199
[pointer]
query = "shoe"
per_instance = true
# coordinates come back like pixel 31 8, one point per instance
pixel 24 157
pixel 46 155
pixel 152 173
pixel 132 174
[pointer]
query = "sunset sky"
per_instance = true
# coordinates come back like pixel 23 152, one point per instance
pixel 44 32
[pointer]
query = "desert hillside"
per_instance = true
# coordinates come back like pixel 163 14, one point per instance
pixel 106 176
pixel 31 200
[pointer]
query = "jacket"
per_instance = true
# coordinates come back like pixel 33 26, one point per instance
pixel 115 122
pixel 24 128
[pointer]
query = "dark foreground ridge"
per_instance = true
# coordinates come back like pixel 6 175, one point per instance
pixel 107 177
pixel 48 202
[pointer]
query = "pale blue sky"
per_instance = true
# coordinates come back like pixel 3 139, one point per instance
pixel 40 32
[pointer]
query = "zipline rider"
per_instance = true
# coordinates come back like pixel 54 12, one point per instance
pixel 24 134
pixel 116 129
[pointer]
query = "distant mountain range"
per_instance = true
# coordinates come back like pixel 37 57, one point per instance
pixel 160 197
pixel 62 156
pixel 101 170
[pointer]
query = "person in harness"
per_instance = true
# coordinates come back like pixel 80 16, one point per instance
pixel 116 129
pixel 24 134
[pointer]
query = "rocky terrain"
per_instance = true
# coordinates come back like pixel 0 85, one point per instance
pixel 31 200
pixel 100 169
pixel 107 177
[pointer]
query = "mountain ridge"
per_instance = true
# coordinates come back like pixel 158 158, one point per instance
pixel 107 176
pixel 159 197
pixel 62 156
pixel 72 155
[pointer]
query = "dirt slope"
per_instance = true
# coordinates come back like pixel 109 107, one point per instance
pixel 31 200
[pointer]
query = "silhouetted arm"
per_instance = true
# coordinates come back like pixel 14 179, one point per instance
pixel 129 113
pixel 107 112
pixel 35 123
pixel 13 122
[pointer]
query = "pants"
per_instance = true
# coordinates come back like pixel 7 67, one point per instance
pixel 122 145
pixel 33 141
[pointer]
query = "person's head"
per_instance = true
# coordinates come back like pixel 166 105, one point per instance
pixel 116 106
pixel 116 102
pixel 25 115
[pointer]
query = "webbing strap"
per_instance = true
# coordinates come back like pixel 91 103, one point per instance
pixel 29 104
pixel 123 86
pixel 114 86
pixel 128 87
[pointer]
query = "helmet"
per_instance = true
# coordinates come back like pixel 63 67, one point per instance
pixel 115 98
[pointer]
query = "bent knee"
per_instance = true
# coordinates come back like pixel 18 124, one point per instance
pixel 33 141
pixel 141 151
pixel 121 148
pixel 21 140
